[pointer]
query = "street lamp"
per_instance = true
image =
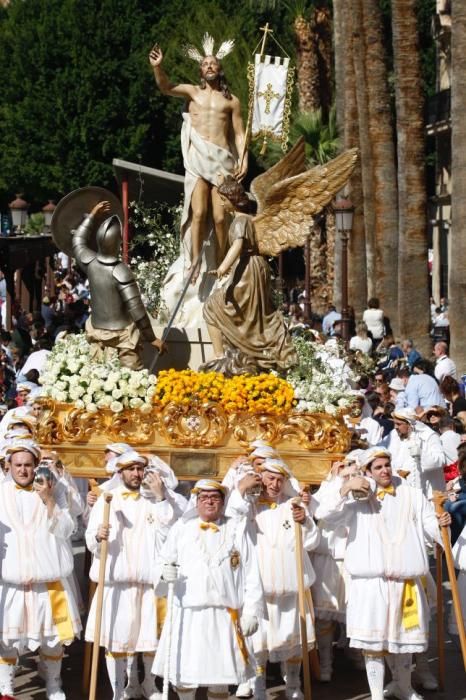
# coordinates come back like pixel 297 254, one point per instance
pixel 19 213
pixel 48 213
pixel 344 212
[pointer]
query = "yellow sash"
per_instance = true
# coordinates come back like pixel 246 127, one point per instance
pixel 23 488
pixel 209 526
pixel 60 611
pixel 410 609
pixel 161 607
pixel 239 634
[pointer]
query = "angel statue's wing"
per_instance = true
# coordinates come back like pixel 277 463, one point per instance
pixel 293 163
pixel 292 203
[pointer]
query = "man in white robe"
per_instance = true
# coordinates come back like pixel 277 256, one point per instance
pixel 272 517
pixel 137 529
pixel 416 449
pixel 418 455
pixel 38 609
pixel 218 597
pixel 388 614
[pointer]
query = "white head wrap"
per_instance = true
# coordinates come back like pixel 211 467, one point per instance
pixel 368 456
pixel 405 414
pixel 23 446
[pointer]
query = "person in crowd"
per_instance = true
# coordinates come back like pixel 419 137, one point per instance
pixel 380 412
pixel 444 366
pixel 373 317
pixel 432 416
pixel 450 440
pixel 37 565
pixel 391 355
pixel 397 388
pixel 451 391
pixel 388 613
pixel 456 503
pixel 329 319
pixel 422 390
pixel 361 341
pixel 138 526
pixel 410 353
pixel 218 597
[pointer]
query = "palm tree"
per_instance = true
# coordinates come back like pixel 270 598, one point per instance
pixel 357 260
pixel 413 301
pixel 385 201
pixel 457 273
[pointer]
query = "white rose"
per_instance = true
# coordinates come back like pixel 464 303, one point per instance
pixel 116 406
pixel 117 393
pixel 91 408
pixel 79 403
pixel 136 403
pixel 146 408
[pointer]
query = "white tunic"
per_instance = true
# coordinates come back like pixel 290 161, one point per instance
pixel 35 554
pixel 138 529
pixel 329 587
pixel 386 548
pixel 217 571
pixel 274 531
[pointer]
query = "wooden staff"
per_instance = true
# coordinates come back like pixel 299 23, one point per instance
pixel 439 499
pixel 302 604
pixel 440 629
pixel 93 488
pixel 100 597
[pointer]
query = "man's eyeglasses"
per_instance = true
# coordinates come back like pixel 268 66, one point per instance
pixel 204 498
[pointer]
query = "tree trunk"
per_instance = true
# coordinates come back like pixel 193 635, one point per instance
pixel 383 156
pixel 339 62
pixel 307 64
pixel 323 25
pixel 457 272
pixel 366 163
pixel 357 279
pixel 413 296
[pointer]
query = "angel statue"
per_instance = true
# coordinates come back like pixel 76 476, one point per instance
pixel 246 330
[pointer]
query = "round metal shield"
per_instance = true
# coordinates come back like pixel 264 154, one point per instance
pixel 70 212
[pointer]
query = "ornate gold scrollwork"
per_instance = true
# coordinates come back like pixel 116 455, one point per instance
pixel 198 424
pixel 195 425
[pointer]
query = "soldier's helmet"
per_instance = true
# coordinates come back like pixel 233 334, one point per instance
pixel 108 239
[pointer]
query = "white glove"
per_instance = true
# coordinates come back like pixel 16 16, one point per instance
pixel 170 573
pixel 414 449
pixel 248 624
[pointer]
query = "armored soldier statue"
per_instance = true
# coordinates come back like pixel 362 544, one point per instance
pixel 119 319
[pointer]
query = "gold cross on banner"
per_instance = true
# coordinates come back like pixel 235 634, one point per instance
pixel 268 95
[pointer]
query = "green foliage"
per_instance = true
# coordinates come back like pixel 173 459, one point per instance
pixel 155 245
pixel 321 138
pixel 78 91
pixel 35 224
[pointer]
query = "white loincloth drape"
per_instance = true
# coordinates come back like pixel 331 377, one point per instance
pixel 206 160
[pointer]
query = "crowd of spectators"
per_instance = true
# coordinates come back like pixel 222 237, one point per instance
pixel 24 349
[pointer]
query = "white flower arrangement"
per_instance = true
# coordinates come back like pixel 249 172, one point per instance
pixel 79 373
pixel 322 380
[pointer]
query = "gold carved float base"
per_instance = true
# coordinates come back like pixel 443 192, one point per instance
pixel 196 440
